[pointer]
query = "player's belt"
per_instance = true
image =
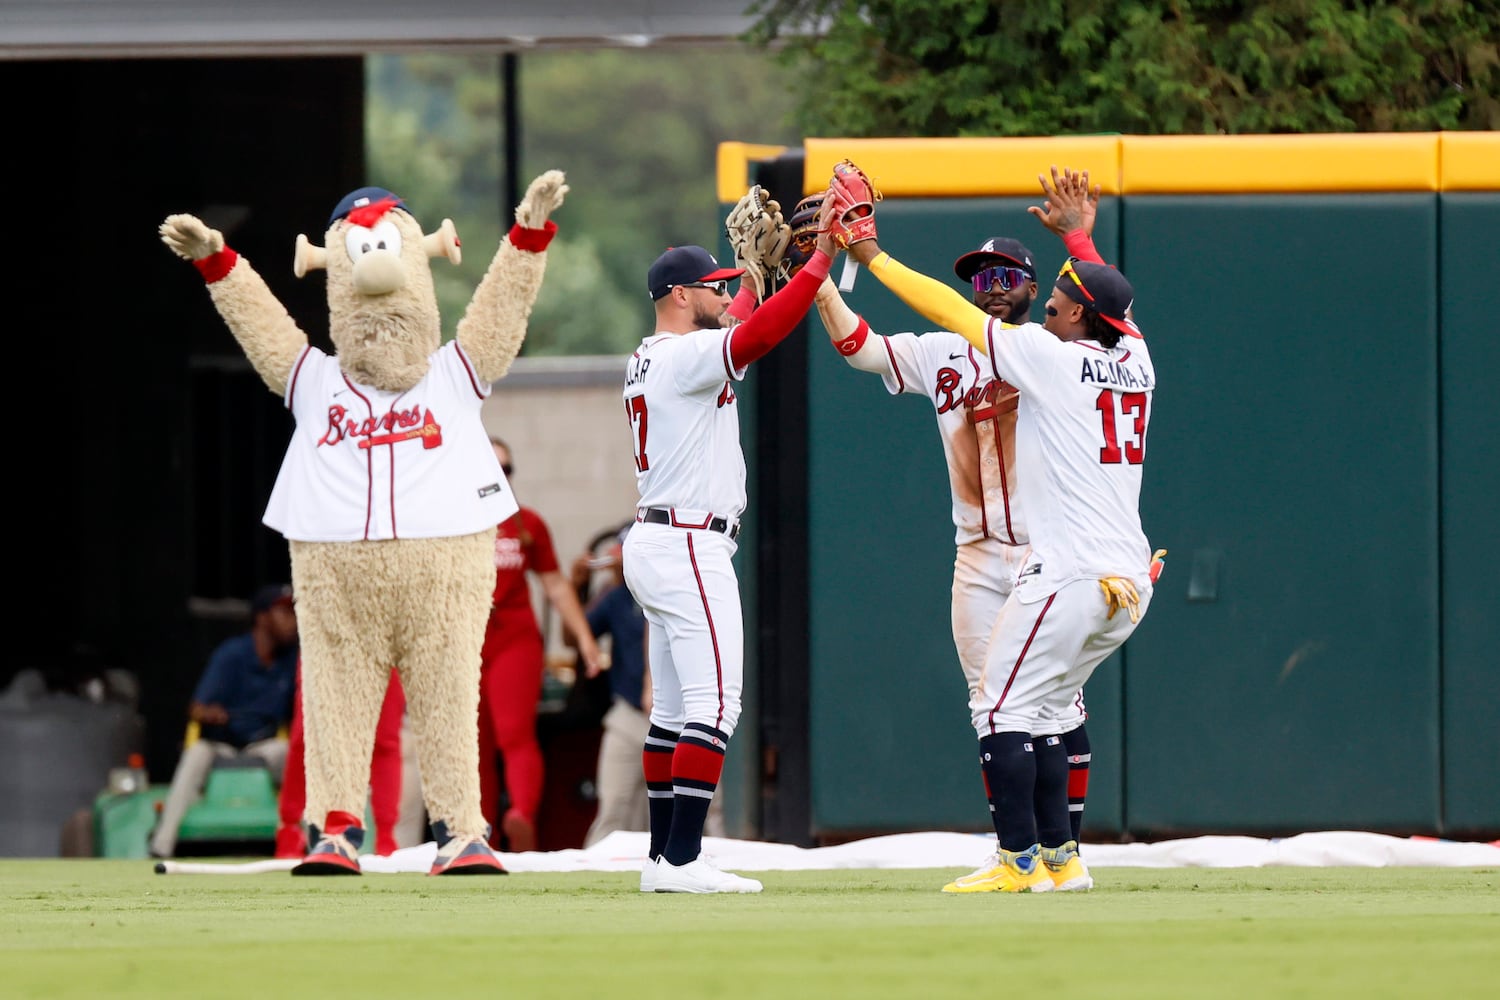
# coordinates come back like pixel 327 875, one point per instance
pixel 661 515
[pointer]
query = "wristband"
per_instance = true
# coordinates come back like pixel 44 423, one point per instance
pixel 216 265
pixel 852 343
pixel 533 240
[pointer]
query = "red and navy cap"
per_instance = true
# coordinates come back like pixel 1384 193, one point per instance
pixel 685 266
pixel 367 198
pixel 1101 288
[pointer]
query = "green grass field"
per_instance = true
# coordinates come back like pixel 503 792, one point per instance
pixel 92 928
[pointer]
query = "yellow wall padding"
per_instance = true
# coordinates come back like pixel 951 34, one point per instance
pixel 734 166
pixel 1147 164
pixel 1471 161
pixel 1257 164
pixel 963 168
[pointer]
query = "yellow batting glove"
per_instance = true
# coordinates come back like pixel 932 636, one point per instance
pixel 1120 593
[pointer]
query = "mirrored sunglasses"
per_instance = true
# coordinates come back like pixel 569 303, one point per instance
pixel 717 287
pixel 1008 277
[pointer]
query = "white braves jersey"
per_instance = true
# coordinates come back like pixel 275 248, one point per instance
pixel 976 415
pixel 368 464
pixel 1080 446
pixel 685 423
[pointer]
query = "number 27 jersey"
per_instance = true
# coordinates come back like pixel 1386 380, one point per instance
pixel 685 423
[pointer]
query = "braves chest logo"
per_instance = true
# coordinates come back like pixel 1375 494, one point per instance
pixel 983 400
pixel 413 424
pixel 726 396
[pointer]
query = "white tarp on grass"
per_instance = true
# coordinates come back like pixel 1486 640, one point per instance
pixel 626 851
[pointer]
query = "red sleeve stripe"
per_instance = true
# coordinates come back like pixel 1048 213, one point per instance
pixel 728 354
pixel 291 386
pixel 475 382
pixel 891 356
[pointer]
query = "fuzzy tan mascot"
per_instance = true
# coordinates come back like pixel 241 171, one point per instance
pixel 389 495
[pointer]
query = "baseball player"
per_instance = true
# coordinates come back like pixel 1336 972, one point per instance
pixel 1085 382
pixel 976 417
pixel 684 425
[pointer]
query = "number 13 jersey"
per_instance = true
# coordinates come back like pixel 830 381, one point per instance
pixel 1080 448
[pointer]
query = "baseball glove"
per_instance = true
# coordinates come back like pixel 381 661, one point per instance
pixel 804 225
pixel 759 237
pixel 854 204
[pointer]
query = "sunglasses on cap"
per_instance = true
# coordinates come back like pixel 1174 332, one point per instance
pixel 1067 269
pixel 1008 277
pixel 717 287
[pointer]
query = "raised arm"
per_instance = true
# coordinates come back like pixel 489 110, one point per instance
pixel 779 314
pixel 928 296
pixel 849 333
pixel 493 326
pixel 1069 211
pixel 267 334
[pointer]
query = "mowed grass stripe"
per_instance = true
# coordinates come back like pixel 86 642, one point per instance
pixel 114 928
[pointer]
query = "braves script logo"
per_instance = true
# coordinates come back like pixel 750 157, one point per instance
pixel 414 424
pixel 982 400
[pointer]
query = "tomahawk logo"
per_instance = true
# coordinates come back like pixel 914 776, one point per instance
pixel 989 247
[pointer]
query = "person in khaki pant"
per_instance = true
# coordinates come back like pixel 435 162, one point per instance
pixel 242 705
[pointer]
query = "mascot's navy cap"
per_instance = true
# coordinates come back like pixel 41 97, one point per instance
pixel 359 199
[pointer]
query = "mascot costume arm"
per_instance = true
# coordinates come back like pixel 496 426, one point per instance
pixel 494 324
pixel 266 333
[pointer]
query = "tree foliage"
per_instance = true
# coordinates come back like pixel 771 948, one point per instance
pixel 1155 67
pixel 636 131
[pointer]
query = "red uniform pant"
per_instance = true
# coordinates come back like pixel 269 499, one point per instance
pixel 385 776
pixel 510 685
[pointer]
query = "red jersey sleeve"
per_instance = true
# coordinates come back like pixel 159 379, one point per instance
pixel 541 556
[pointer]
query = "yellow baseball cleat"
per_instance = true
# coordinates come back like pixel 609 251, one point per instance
pixel 1066 868
pixel 1006 871
pixel 1071 877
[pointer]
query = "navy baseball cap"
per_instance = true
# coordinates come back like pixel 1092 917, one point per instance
pixel 685 266
pixel 1101 288
pixel 269 596
pixel 363 198
pixel 995 250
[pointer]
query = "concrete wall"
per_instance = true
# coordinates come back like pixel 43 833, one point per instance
pixel 571 453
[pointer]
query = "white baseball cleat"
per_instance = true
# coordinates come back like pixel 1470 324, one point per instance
pixel 648 875
pixel 700 876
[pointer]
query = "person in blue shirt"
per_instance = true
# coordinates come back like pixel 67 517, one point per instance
pixel 242 705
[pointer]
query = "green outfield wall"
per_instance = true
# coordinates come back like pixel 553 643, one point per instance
pixel 1322 468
